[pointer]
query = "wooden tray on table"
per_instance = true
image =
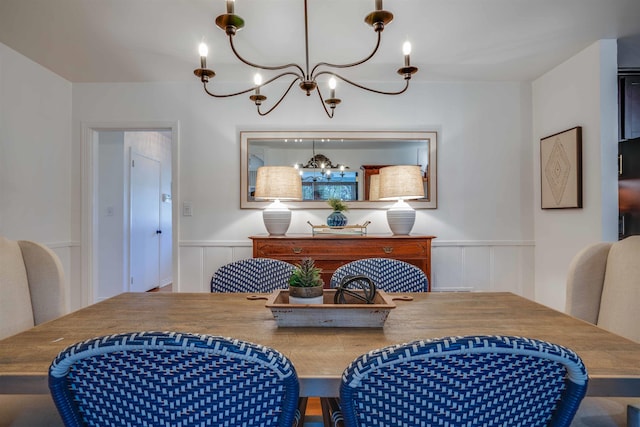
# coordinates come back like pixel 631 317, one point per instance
pixel 353 314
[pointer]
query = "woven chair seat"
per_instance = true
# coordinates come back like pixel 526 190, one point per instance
pixel 464 381
pixel 260 275
pixel 173 379
pixel 390 275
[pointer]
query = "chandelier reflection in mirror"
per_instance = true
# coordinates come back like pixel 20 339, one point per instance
pixel 230 23
pixel 322 180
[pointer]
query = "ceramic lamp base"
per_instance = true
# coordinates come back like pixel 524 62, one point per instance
pixel 401 218
pixel 277 219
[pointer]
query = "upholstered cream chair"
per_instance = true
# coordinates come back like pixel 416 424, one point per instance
pixel 31 292
pixel 603 288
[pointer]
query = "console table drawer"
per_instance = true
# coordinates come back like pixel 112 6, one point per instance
pixel 333 251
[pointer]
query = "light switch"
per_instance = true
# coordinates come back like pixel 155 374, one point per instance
pixel 187 209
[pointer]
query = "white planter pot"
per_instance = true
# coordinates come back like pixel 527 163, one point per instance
pixel 312 300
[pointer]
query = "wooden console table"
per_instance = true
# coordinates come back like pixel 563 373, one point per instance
pixel 330 251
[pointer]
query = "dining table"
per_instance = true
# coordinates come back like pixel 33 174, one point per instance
pixel 320 354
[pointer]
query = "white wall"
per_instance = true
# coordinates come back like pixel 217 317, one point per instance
pixel 483 221
pixel 582 91
pixel 35 158
pixel 111 215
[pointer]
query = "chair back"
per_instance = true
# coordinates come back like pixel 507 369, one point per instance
pixel 252 275
pixel 464 381
pixel 585 280
pixel 390 275
pixel 173 379
pixel 620 303
pixel 31 284
pixel 602 286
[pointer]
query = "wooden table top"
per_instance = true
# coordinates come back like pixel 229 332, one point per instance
pixel 321 354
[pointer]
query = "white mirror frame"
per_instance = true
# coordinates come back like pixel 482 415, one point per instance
pixel 246 136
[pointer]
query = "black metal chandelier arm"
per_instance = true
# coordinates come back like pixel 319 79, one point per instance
pixel 228 95
pixel 381 92
pixel 286 73
pixel 362 61
pixel 263 67
pixel 282 97
pixel 329 114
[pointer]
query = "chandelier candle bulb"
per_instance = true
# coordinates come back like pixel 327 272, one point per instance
pixel 257 79
pixel 204 51
pixel 406 50
pixel 332 86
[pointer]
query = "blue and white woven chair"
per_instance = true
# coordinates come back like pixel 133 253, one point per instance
pixel 261 275
pixel 173 379
pixel 390 275
pixel 464 381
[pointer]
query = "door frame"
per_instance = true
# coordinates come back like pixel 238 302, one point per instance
pixel 89 210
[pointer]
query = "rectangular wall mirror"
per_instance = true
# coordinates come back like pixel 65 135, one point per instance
pixel 337 164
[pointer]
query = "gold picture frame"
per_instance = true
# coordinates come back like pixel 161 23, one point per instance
pixel 561 170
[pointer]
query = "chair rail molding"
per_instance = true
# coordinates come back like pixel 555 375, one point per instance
pixel 456 265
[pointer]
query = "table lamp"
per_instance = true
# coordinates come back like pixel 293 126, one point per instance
pixel 277 183
pixel 403 182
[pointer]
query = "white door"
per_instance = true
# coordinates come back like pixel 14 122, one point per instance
pixel 145 223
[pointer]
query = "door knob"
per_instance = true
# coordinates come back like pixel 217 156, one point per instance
pixel 158 231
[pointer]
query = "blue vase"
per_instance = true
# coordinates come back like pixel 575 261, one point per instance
pixel 337 219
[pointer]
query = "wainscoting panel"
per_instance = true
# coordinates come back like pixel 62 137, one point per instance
pixel 456 265
pixel 506 270
pixel 483 266
pixel 192 269
pixel 446 268
pixel 477 268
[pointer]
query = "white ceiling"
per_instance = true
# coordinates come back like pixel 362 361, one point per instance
pixel 156 40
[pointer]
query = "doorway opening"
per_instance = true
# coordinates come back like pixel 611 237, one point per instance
pixel 130 218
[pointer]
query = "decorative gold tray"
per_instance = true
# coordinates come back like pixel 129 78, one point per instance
pixel 354 314
pixel 359 229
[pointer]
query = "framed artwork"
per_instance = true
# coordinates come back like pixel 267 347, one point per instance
pixel 561 170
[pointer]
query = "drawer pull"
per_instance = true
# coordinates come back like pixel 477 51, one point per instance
pixel 297 250
pixel 387 249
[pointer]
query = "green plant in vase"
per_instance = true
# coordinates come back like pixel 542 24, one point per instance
pixel 337 218
pixel 305 283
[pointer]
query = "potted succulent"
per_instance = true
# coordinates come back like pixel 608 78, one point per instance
pixel 305 283
pixel 337 218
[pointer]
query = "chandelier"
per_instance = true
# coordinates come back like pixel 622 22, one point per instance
pixel 307 78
